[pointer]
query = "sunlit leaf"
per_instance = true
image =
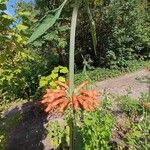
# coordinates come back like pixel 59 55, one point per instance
pixel 54 75
pixel 61 79
pixel 53 84
pixel 7 17
pixel 26 14
pixel 64 70
pixel 46 23
pixel 21 27
pixel 43 82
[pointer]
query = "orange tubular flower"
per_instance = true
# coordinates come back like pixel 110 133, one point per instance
pixel 84 99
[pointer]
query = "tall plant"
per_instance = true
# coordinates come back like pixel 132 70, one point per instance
pixel 47 22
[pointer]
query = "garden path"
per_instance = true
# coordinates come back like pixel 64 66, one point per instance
pixel 127 84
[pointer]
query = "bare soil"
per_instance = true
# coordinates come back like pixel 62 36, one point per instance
pixel 126 84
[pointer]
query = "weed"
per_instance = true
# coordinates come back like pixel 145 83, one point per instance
pixel 130 106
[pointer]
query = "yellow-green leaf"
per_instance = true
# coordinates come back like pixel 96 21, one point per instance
pixel 54 75
pixel 53 84
pixel 61 79
pixel 21 27
pixel 64 70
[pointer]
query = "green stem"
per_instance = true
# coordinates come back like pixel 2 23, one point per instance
pixel 71 69
pixel 72 45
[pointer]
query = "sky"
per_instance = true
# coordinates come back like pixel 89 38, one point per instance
pixel 10 4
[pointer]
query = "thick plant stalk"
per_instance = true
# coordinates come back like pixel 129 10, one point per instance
pixel 72 45
pixel 71 69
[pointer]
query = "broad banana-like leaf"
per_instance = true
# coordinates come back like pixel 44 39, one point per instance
pixel 47 22
pixel 92 24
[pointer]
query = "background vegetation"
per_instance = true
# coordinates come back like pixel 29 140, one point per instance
pixel 123 37
pixel 122 32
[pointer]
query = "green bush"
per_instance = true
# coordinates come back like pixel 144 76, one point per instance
pixel 124 33
pixel 138 136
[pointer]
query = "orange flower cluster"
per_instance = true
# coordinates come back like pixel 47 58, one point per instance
pixel 58 99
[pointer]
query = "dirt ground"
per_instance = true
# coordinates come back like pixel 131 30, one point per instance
pixel 30 134
pixel 123 85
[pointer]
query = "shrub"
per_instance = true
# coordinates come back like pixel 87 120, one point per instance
pixel 123 34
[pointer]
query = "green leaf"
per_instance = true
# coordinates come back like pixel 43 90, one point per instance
pixel 47 22
pixel 3 4
pixel 53 84
pixel 54 75
pixel 63 28
pixel 25 14
pixel 21 27
pixel 61 79
pixel 43 83
pixel 64 70
pixel 7 17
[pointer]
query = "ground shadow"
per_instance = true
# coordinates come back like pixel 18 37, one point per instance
pixel 28 135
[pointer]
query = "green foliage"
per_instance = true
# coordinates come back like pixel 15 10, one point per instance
pixel 3 4
pixel 96 130
pixel 92 130
pixel 53 45
pixel 21 79
pixel 92 25
pixel 122 32
pixel 133 107
pixel 99 74
pixel 19 67
pixel 47 22
pixel 130 106
pixel 57 74
pixel 58 134
pixel 126 32
pixel 138 136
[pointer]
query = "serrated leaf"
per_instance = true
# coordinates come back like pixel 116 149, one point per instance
pixel 47 22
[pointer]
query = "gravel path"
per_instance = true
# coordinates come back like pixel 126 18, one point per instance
pixel 124 84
